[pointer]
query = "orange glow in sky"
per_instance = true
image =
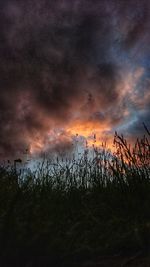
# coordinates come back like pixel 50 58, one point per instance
pixel 91 133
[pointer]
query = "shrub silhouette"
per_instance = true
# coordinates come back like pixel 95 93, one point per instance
pixel 70 210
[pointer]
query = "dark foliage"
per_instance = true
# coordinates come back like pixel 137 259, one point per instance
pixel 69 211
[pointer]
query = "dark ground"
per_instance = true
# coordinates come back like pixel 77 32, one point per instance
pixel 86 215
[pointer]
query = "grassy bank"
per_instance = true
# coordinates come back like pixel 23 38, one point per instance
pixel 71 211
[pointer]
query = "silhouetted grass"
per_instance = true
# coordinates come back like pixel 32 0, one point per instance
pixel 71 210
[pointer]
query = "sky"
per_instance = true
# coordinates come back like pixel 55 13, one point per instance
pixel 71 69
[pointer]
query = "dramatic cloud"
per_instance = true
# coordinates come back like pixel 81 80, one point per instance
pixel 72 67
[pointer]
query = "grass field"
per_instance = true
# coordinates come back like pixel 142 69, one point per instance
pixel 69 212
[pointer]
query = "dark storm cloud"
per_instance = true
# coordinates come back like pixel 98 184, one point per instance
pixel 136 21
pixel 53 54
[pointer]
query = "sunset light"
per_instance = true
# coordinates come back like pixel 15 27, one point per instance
pixel 74 133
